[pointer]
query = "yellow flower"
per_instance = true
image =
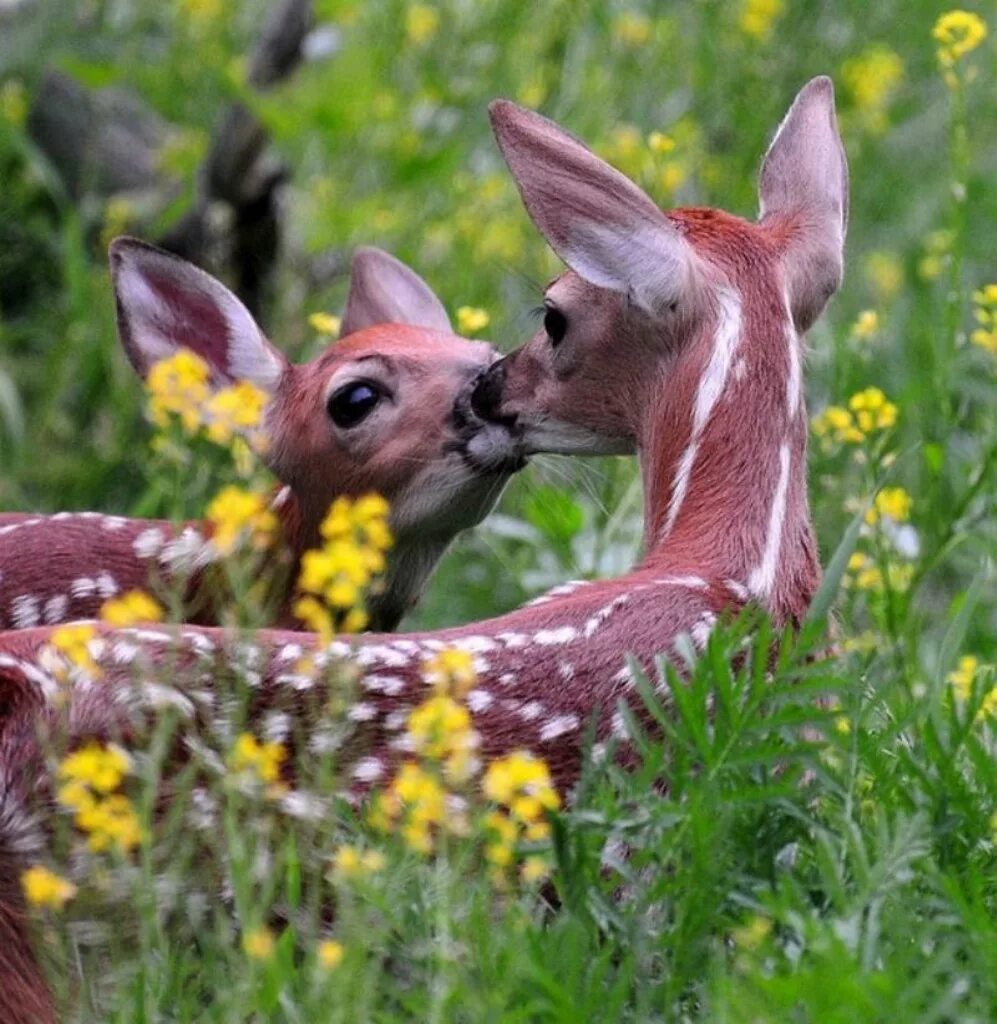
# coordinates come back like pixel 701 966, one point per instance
pixel 752 934
pixel 673 175
pixel 352 862
pixel 534 869
pixel 325 323
pixel 470 319
pixel 110 822
pixel 871 78
pixel 885 274
pixel 758 17
pixel 102 768
pixel 893 503
pixel 660 143
pixel 13 102
pixel 130 608
pixel 520 773
pixel 44 888
pixel 421 23
pixel 872 410
pixel 178 386
pixel 258 944
pixel 958 33
pixel 330 953
pixel 866 325
pixel 72 642
pixel 260 759
pixel 236 411
pixel 316 616
pixel 450 671
pixel 236 515
pixel 985 311
pixel 632 28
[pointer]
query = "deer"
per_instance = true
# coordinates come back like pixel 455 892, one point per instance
pixel 384 409
pixel 676 334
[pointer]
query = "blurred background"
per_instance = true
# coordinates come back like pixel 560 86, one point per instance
pixel 264 140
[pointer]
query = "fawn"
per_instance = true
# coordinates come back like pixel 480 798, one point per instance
pixel 384 409
pixel 677 334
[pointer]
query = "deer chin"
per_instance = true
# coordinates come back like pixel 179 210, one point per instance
pixel 558 437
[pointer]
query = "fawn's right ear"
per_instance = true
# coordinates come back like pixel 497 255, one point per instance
pixel 165 304
pixel 598 221
pixel 385 291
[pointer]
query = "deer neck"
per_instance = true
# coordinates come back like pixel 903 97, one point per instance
pixel 724 456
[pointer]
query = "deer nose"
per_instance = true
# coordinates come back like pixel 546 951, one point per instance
pixel 487 394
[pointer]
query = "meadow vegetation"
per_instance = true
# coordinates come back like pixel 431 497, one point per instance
pixel 811 843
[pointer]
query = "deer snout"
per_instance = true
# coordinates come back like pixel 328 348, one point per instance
pixel 486 395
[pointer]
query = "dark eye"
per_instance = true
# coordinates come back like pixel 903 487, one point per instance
pixel 555 325
pixel 352 403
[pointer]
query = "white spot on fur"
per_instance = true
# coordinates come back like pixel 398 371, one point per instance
pixel 56 608
pixel 701 630
pixel 113 523
pixel 476 644
pixel 739 590
pixel 507 678
pixel 566 671
pixel 82 587
pixel 391 686
pixel 762 577
pixel 396 719
pixel 188 552
pixel 711 387
pixel 558 726
pixel 290 652
pixel 148 543
pixel 557 636
pixel 513 641
pixel 368 769
pixel 25 611
pixel 107 586
pixel 695 582
pixel 599 617
pixel 362 711
pixel 530 710
pixel 384 654
pixel 479 700
pixel 618 726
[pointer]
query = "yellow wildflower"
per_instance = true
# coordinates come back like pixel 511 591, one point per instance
pixel 316 616
pixel 752 934
pixel 330 953
pixel 237 515
pixel 632 28
pixel 236 411
pixel 258 943
pixel 44 888
pixel 14 102
pixel 99 767
pixel 892 503
pixel 958 33
pixel 885 274
pixel 325 323
pixel 110 822
pixel 985 310
pixel 758 17
pixel 352 862
pixel 421 23
pixel 520 773
pixel 866 325
pixel 72 641
pixel 938 248
pixel 871 78
pixel 534 869
pixel 178 386
pixel 130 608
pixel 872 410
pixel 260 759
pixel 450 671
pixel 471 319
pixel 865 574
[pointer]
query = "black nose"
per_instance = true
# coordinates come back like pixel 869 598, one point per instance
pixel 487 394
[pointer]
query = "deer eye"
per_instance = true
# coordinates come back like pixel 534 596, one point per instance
pixel 555 324
pixel 353 403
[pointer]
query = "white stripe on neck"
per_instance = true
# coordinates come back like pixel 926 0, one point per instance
pixel 762 577
pixel 794 381
pixel 711 386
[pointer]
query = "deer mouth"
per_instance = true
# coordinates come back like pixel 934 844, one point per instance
pixel 486 445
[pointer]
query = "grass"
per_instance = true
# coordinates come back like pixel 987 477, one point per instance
pixel 808 860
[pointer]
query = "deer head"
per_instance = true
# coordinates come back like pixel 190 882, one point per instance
pixel 383 409
pixel 643 283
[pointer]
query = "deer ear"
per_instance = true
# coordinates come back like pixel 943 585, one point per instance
pixel 597 220
pixel 165 304
pixel 385 291
pixel 803 191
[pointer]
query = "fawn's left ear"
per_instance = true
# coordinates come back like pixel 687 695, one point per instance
pixel 803 191
pixel 383 290
pixel 166 304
